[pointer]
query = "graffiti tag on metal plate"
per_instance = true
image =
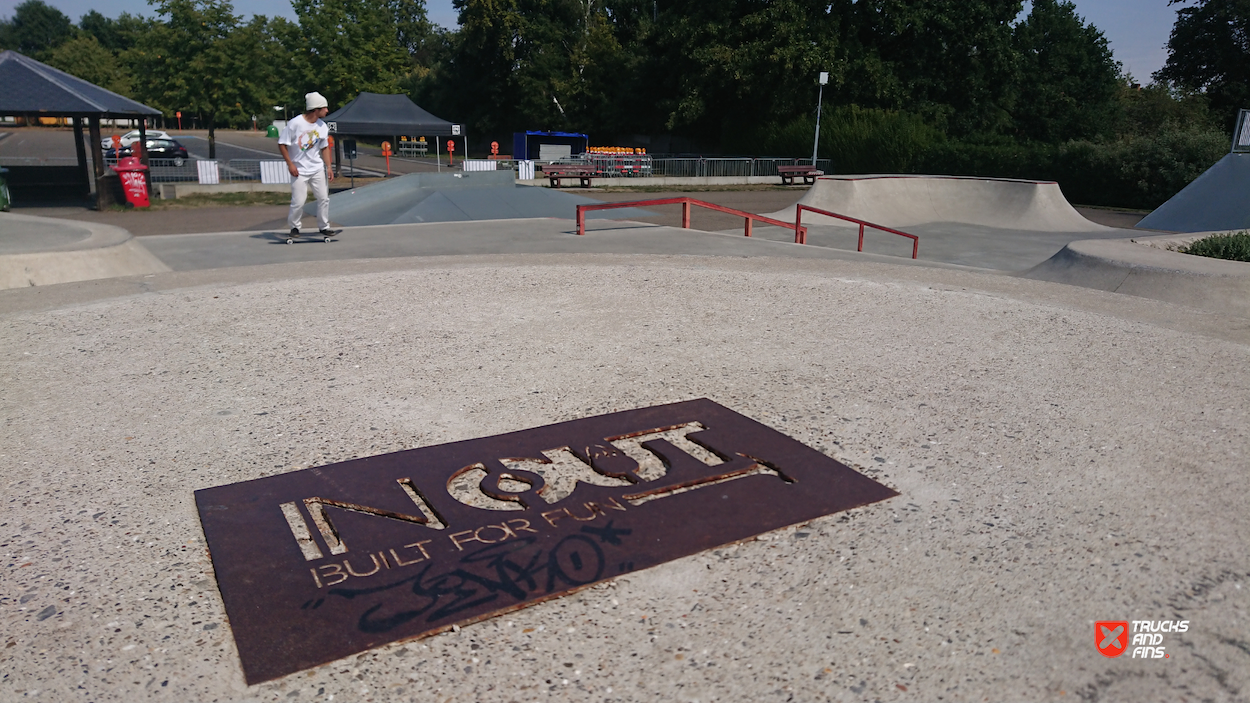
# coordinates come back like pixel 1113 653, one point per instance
pixel 319 564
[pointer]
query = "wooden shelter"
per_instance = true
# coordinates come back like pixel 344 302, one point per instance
pixel 34 89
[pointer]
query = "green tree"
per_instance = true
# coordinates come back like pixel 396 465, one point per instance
pixel 412 25
pixel 1209 50
pixel 116 35
pixel 286 56
pixel 35 30
pixel 952 61
pixel 350 46
pixel 86 58
pixel 723 67
pixel 200 60
pixel 1069 79
pixel 517 64
pixel 1149 110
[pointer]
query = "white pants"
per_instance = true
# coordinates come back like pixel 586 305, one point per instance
pixel 299 194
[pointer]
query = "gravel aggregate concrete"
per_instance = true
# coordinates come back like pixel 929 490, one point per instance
pixel 1063 456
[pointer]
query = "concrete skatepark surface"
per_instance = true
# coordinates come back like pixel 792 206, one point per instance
pixel 456 197
pixel 1003 224
pixel 907 201
pixel 1064 455
pixel 38 252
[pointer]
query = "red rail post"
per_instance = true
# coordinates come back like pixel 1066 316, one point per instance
pixel 800 234
pixel 798 217
pixel 686 203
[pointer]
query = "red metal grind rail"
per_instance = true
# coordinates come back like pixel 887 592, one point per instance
pixel 800 233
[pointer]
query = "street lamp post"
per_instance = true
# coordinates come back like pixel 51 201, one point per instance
pixel 824 78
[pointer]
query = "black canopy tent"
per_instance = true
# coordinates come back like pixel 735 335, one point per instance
pixel 378 115
pixel 28 87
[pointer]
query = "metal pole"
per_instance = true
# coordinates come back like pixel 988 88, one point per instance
pixel 820 99
pixel 816 141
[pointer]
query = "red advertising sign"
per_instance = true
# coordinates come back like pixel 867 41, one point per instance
pixel 324 563
pixel 135 185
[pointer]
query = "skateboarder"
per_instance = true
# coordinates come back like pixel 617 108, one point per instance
pixel 305 146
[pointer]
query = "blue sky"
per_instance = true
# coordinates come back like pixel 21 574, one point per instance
pixel 1137 29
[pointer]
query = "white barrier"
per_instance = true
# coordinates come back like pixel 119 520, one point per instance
pixel 208 172
pixel 525 169
pixel 274 172
pixel 479 165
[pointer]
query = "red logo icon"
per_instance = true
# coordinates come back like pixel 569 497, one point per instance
pixel 1111 636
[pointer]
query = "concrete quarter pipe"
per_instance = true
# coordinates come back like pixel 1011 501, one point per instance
pixel 902 201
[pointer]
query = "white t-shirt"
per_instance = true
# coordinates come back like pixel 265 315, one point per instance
pixel 304 141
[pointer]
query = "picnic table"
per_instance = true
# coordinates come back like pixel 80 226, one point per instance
pixel 555 172
pixel 789 173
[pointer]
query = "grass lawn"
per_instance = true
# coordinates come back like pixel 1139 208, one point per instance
pixel 198 200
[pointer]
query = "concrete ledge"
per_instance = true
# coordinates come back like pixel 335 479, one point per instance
pixel 106 252
pixel 170 191
pixel 1145 267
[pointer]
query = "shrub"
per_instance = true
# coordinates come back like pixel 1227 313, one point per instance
pixel 1133 171
pixel 1234 247
pixel 1138 171
pixel 858 140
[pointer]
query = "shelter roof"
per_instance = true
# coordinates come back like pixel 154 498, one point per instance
pixel 375 114
pixel 28 86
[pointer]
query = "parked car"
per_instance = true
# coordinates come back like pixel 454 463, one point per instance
pixel 157 149
pixel 133 136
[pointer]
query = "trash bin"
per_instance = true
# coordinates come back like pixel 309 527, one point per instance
pixel 4 190
pixel 134 180
pixel 271 131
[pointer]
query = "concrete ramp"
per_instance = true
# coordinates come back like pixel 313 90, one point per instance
pixel 457 197
pixel 1218 200
pixel 40 251
pixel 902 201
pixel 1149 267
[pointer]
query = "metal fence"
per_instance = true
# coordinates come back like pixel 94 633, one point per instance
pixel 701 167
pixel 627 166
pixel 248 170
pixel 161 170
pixel 38 161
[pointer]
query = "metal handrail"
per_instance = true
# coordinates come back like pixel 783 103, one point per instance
pixel 685 203
pixel 802 239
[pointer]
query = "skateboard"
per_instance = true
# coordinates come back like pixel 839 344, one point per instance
pixel 313 236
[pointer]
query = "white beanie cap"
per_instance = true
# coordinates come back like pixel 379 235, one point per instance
pixel 314 100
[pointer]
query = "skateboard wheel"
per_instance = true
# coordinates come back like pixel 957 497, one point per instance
pixel 327 240
pixel 290 240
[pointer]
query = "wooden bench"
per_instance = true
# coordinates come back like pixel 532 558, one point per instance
pixel 582 173
pixel 789 173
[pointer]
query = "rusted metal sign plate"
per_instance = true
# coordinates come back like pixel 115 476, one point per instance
pixel 318 564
